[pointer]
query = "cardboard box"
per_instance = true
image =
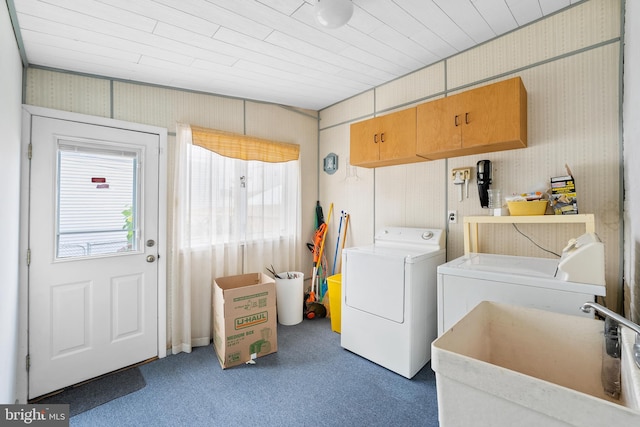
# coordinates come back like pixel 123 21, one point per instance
pixel 564 198
pixel 244 318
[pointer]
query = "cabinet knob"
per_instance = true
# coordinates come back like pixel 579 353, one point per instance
pixel 455 121
pixel 466 118
pixel 382 137
pixel 375 138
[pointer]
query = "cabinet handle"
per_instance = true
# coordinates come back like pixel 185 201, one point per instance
pixel 466 118
pixel 455 121
pixel 382 137
pixel 375 138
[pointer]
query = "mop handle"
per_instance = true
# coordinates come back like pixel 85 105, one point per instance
pixel 346 224
pixel 344 239
pixel 335 256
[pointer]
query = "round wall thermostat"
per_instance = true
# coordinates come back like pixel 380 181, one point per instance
pixel 331 163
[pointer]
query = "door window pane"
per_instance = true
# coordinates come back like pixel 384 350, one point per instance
pixel 97 201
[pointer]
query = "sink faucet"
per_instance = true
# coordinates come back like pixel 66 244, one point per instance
pixel 587 306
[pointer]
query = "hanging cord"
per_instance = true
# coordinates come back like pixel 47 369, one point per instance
pixel 531 240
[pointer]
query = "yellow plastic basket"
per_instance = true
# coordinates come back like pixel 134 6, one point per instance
pixel 533 207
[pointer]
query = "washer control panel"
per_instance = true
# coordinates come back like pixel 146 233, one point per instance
pixel 411 236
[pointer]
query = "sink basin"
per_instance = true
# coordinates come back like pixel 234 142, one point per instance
pixel 504 365
pixel 630 372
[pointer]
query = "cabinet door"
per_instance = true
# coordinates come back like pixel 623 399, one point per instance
pixel 439 127
pixel 493 116
pixel 482 120
pixel 364 143
pixel 398 136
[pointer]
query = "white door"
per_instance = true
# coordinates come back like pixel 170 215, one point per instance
pixel 93 227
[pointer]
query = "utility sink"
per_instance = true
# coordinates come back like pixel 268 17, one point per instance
pixel 503 365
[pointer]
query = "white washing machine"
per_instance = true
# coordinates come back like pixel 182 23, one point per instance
pixel 389 298
pixel 525 281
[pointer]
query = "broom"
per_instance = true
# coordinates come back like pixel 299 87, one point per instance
pixel 314 283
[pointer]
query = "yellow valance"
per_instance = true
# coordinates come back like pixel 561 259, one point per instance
pixel 244 147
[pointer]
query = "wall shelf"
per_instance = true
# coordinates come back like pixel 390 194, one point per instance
pixel 471 224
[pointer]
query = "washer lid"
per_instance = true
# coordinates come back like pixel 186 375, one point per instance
pixel 527 271
pixel 407 254
pixel 506 264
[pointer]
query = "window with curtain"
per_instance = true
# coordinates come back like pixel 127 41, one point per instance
pixel 236 210
pixel 241 201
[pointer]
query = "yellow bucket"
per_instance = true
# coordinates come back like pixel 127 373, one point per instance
pixel 335 293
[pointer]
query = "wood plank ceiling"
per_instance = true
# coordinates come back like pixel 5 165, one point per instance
pixel 267 50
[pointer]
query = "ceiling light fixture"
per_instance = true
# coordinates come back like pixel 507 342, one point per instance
pixel 333 13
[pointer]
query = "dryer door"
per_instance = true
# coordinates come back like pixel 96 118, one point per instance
pixel 374 283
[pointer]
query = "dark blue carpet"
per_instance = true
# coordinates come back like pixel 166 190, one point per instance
pixel 311 380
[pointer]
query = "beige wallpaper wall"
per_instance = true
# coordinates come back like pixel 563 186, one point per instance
pixel 569 64
pixel 631 106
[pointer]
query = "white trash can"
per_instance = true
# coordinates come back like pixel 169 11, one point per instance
pixel 290 297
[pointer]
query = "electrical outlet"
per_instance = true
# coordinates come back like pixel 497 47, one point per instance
pixel 452 217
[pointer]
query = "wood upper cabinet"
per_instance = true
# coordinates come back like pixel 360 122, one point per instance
pixel 482 120
pixel 385 140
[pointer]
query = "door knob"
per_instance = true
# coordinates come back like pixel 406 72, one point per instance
pixel 151 258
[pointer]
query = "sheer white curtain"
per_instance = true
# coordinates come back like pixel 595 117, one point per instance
pixel 230 217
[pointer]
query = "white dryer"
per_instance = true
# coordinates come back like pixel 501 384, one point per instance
pixel 389 298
